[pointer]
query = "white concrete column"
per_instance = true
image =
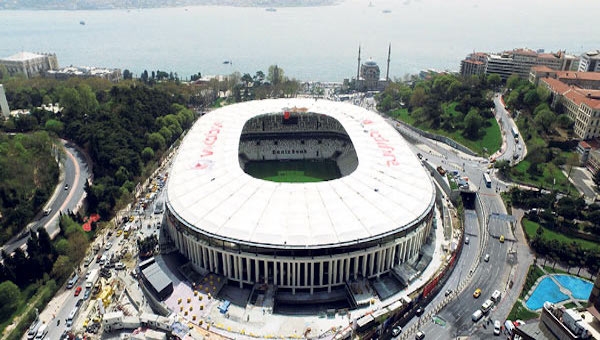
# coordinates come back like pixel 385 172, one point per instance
pixel 364 265
pixel 210 260
pixel 330 269
pixel 249 268
pixel 346 269
pixel 204 258
pixel 321 273
pixel 371 263
pixel 381 257
pixel 240 261
pixel 266 272
pixel 275 264
pixel 393 257
pixel 256 270
pixel 306 273
pixel 281 270
pixel 356 266
pixel 312 276
pixel 335 271
pixel 288 266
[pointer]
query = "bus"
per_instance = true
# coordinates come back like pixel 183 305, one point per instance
pixel 515 132
pixel 487 179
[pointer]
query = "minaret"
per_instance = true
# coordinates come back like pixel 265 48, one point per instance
pixel 358 66
pixel 387 72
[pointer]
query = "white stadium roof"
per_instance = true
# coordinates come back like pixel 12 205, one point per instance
pixel 208 190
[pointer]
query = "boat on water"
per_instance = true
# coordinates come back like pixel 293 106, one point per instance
pixel 271 9
pixel 227 62
pixel 386 11
pixel 82 22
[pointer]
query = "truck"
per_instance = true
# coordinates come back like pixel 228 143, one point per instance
pixel 92 278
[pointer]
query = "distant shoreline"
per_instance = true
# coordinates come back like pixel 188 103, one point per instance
pixel 90 5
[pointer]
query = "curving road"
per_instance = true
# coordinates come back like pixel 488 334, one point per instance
pixel 68 195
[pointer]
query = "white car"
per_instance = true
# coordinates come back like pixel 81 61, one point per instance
pixel 496 327
pixel 108 246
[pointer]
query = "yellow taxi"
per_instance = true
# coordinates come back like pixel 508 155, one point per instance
pixel 477 293
pixel 119 232
pixel 501 238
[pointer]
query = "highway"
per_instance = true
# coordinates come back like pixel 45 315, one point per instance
pixel 455 318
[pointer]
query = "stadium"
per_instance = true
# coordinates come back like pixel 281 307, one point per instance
pixel 299 194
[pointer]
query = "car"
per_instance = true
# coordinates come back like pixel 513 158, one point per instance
pixel 396 331
pixel 501 238
pixel 119 232
pixel 477 293
pixel 419 311
pixel 448 292
pixel 108 245
pixel 515 155
pixel 467 240
pixel 66 187
pixel 77 291
pixel 420 335
pixel 420 155
pixel 119 266
pixel 487 258
pixel 47 211
pixel 497 327
pixel 87 294
pixel 79 302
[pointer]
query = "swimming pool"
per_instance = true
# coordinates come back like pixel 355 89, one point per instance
pixel 546 290
pixel 580 289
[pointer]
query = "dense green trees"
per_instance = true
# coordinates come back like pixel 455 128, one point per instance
pixel 28 173
pixel 444 101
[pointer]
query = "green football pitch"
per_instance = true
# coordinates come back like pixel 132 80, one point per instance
pixel 293 171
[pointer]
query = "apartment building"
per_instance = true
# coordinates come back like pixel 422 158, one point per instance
pixel 590 62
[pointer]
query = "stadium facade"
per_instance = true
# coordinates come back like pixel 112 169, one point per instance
pixel 310 237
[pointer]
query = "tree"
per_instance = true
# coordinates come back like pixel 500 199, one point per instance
pixel 473 123
pixel 513 81
pixel 494 80
pixel 54 126
pixel 258 78
pixel 544 120
pixel 275 75
pixel 10 296
pixel 127 74
pixel 147 154
pixel 62 268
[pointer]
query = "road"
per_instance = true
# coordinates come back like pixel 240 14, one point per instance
pixel 512 146
pixel 67 196
pixel 455 319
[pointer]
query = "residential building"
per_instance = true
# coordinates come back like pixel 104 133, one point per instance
pixel 30 64
pixel 518 61
pixel 474 64
pixel 586 80
pixel 590 62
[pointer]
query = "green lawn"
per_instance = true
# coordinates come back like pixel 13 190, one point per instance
pixel 491 139
pixel 299 171
pixel 531 227
pixel 519 312
pixel 551 173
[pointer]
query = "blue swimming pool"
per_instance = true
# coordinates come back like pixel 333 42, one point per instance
pixel 546 290
pixel 580 289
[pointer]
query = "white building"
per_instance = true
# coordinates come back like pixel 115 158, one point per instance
pixel 590 62
pixel 30 64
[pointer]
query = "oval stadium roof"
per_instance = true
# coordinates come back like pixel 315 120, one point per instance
pixel 208 191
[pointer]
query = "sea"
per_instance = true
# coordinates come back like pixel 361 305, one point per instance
pixel 308 43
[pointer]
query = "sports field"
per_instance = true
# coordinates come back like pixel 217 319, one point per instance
pixel 293 171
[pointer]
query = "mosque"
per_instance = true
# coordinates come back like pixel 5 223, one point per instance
pixel 368 75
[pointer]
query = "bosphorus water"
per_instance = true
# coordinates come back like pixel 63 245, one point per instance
pixel 309 43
